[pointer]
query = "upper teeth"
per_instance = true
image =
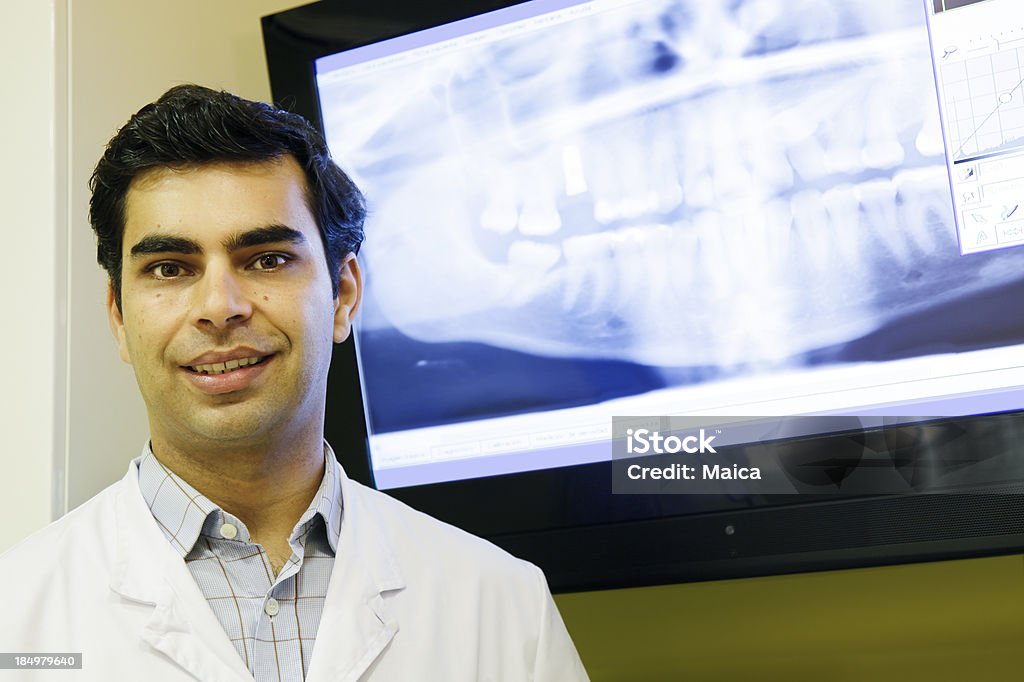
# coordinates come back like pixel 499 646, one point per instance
pixel 221 367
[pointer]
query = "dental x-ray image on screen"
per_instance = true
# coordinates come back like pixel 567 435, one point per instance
pixel 580 209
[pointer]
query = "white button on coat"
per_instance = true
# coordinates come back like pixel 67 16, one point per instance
pixel 228 531
pixel 271 608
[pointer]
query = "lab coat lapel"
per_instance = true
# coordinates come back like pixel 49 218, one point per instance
pixel 357 623
pixel 148 571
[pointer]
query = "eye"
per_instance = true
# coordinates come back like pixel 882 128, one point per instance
pixel 167 270
pixel 270 261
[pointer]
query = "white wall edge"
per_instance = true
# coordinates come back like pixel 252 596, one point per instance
pixel 62 254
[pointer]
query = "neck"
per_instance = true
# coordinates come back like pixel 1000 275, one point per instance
pixel 266 487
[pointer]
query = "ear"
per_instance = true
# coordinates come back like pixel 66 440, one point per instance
pixel 116 320
pixel 350 293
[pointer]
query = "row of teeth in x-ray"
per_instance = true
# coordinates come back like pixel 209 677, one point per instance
pixel 759 137
pixel 749 214
pixel 490 94
pixel 641 167
pixel 600 51
pixel 760 282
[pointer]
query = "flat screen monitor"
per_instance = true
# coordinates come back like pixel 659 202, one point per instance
pixel 583 210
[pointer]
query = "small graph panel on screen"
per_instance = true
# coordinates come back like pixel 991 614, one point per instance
pixel 978 54
pixel 985 103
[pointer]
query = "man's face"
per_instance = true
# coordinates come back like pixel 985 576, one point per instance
pixel 227 312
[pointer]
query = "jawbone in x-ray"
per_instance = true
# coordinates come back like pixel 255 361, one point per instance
pixel 662 193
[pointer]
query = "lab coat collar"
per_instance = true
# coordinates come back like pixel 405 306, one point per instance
pixel 357 621
pixel 138 565
pixel 148 571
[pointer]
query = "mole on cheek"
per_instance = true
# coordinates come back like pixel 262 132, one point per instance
pixel 266 298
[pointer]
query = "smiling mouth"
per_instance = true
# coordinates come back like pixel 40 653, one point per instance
pixel 225 367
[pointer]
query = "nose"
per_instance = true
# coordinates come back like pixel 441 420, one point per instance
pixel 221 300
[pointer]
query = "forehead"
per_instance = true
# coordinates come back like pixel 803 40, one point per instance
pixel 209 201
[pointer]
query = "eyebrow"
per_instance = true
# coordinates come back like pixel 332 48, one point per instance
pixel 164 244
pixel 270 234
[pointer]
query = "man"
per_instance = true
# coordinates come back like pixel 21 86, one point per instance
pixel 235 547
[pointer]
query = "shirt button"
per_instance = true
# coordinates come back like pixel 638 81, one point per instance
pixel 271 608
pixel 228 531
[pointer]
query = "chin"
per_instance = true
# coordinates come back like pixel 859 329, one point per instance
pixel 228 428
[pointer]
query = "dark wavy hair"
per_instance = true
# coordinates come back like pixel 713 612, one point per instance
pixel 190 126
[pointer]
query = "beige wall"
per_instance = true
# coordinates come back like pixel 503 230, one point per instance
pixel 33 179
pixel 123 54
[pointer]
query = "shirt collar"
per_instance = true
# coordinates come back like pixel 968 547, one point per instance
pixel 184 514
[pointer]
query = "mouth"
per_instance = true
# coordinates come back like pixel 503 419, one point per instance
pixel 217 368
pixel 227 376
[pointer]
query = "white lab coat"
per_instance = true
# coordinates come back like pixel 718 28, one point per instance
pixel 410 599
